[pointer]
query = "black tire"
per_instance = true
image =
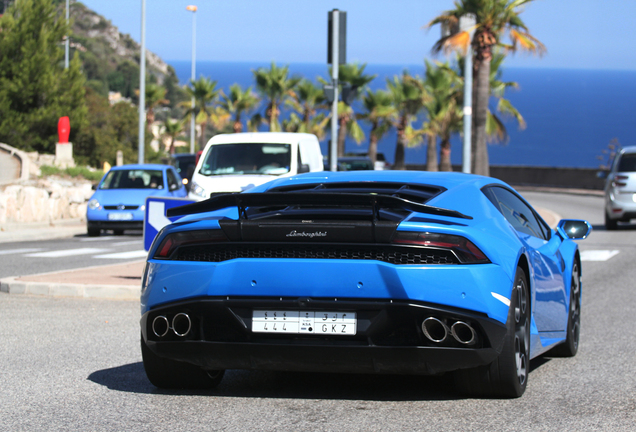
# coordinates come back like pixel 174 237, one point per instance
pixel 507 376
pixel 118 232
pixel 93 232
pixel 570 347
pixel 171 374
pixel 610 224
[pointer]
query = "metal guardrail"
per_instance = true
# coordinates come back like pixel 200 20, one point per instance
pixel 21 158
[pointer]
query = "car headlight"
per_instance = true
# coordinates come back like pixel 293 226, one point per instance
pixel 197 190
pixel 93 204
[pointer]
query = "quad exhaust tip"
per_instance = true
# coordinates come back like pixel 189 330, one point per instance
pixel 463 333
pixel 435 329
pixel 181 325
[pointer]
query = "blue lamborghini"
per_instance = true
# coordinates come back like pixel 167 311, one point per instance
pixel 369 272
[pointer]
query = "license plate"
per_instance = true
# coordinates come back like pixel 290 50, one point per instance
pixel 120 216
pixel 304 322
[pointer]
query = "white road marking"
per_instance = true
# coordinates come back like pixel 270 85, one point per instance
pixel 598 255
pixel 124 255
pixel 19 251
pixel 66 253
pixel 501 298
pixel 94 239
pixel 126 243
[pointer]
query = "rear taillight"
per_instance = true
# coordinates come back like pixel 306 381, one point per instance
pixel 619 180
pixel 464 249
pixel 185 238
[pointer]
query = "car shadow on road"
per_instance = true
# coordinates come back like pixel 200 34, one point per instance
pixel 298 385
pixel 294 385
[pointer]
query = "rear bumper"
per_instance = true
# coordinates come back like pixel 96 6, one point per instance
pixel 115 225
pixel 621 205
pixel 389 337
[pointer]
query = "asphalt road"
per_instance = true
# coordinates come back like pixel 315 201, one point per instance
pixel 72 364
pixel 43 256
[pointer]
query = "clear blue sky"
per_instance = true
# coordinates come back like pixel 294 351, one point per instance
pixel 582 34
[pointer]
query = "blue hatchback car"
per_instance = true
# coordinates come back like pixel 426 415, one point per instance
pixel 118 203
pixel 391 272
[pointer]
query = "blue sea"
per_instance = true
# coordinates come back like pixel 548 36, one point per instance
pixel 571 115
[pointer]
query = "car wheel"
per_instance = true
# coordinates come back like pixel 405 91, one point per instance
pixel 171 374
pixel 93 232
pixel 507 376
pixel 610 224
pixel 571 344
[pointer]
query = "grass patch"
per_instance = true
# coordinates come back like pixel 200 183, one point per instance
pixel 76 172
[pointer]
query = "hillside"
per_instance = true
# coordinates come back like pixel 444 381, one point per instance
pixel 111 59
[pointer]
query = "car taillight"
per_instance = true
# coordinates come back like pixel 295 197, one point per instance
pixel 464 249
pixel 619 180
pixel 186 238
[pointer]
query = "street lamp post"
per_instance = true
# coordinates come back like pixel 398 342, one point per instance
pixel 467 23
pixel 142 85
pixel 66 42
pixel 193 75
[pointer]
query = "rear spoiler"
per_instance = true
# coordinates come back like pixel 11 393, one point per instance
pixel 267 199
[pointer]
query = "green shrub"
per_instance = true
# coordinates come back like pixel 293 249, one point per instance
pixel 76 172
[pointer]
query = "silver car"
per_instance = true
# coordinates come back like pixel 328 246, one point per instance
pixel 620 189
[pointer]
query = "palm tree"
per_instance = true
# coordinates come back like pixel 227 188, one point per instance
pixel 237 103
pixel 495 128
pixel 205 94
pixel 444 116
pixel 275 85
pixel 494 20
pixel 172 129
pixel 408 99
pixel 381 113
pixel 306 100
pixel 155 96
pixel 353 75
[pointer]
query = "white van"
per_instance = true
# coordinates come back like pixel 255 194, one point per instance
pixel 238 162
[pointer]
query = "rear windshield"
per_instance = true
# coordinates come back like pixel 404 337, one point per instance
pixel 247 158
pixel 133 179
pixel 627 162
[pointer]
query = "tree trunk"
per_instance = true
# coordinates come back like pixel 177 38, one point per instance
pixel 431 153
pixel 342 134
pixel 481 92
pixel 400 145
pixel 204 127
pixel 444 156
pixel 238 126
pixel 373 144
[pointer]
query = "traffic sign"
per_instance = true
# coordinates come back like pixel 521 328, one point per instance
pixel 155 217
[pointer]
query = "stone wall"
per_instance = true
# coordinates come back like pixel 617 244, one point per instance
pixel 44 200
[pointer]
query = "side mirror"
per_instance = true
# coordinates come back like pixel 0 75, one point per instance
pixel 94 186
pixel 303 168
pixel 573 229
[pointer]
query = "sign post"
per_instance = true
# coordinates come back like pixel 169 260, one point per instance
pixel 336 55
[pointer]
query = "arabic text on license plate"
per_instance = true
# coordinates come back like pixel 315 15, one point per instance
pixel 120 216
pixel 331 323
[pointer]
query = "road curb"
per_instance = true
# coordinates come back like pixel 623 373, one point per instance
pixel 12 285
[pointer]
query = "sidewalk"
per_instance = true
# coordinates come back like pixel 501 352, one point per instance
pixel 16 232
pixel 118 281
